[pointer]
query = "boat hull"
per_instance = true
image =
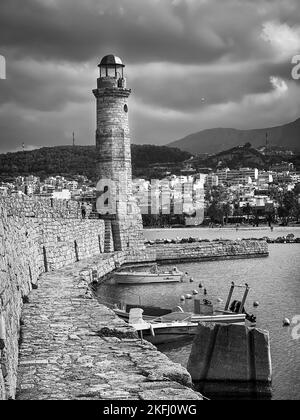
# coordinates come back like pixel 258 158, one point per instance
pixel 135 278
pixel 175 333
pixel 125 315
pixel 170 328
pixel 172 335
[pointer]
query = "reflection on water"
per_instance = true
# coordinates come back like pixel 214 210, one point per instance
pixel 274 283
pixel 180 352
pixel 234 391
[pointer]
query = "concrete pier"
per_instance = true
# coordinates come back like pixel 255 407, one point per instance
pixel 231 353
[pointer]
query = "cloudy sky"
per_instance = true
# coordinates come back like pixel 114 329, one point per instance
pixel 192 64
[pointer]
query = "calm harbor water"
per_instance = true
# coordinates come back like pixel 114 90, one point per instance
pixel 274 281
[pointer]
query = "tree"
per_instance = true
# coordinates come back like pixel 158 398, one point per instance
pixel 289 206
pixel 82 160
pixel 227 211
pixel 219 208
pixel 248 211
pixel 297 190
pixel 296 211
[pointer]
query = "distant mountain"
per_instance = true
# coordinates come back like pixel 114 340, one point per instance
pixel 79 160
pixel 217 139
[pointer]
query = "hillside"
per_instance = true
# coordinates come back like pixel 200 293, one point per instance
pixel 218 139
pixel 68 160
pixel 237 157
pixel 240 157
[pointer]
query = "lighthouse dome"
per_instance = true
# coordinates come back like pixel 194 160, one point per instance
pixel 111 61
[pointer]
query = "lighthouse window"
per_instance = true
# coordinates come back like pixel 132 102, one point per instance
pixel 125 108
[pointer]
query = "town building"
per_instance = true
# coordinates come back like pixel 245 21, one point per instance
pixel 282 167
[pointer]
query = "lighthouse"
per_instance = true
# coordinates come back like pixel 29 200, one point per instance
pixel 115 204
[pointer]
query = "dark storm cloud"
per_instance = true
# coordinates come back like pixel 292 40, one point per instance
pixel 192 64
pixel 42 128
pixel 152 30
pixel 201 86
pixel 43 86
pixel 76 30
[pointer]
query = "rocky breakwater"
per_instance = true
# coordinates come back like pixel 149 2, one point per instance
pixel 202 250
pixel 75 348
pixel 288 239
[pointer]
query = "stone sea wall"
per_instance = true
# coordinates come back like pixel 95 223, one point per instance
pixel 209 251
pixel 16 256
pixel 68 241
pixel 97 270
pixel 29 247
pixel 25 206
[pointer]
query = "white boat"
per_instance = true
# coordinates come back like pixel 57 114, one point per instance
pixel 131 276
pixel 177 326
pixel 160 326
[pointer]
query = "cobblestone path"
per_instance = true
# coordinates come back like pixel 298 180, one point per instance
pixel 63 356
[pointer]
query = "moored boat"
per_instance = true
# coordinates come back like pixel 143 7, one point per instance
pixel 176 326
pixel 154 275
pixel 160 326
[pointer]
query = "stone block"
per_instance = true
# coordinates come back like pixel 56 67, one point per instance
pixel 230 353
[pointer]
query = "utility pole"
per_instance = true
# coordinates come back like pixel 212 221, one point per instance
pixel 25 159
pixel 73 139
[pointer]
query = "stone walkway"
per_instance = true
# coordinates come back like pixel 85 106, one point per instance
pixel 71 347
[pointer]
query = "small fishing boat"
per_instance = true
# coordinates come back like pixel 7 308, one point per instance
pixel 154 275
pixel 149 312
pixel 160 326
pixel 176 326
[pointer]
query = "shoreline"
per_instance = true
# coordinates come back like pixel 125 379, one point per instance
pixel 243 228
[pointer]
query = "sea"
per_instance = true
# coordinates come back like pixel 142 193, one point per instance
pixel 274 282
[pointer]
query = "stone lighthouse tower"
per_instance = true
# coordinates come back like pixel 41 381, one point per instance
pixel 115 203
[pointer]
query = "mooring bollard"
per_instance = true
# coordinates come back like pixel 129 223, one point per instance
pixel 286 322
